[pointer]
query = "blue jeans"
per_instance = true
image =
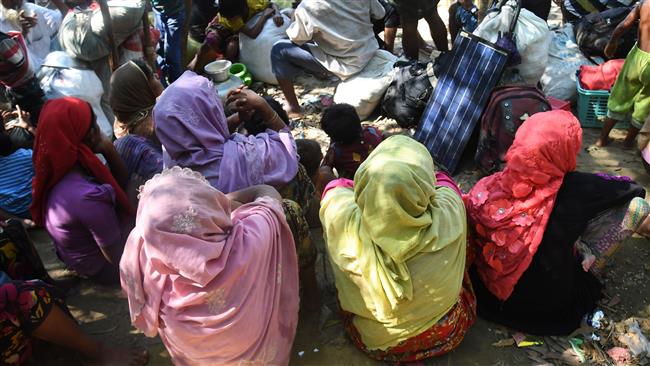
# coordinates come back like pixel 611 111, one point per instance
pixel 288 60
pixel 169 48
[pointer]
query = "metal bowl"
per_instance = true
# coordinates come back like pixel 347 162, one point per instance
pixel 217 71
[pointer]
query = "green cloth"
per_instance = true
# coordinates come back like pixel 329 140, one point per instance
pixel 396 243
pixel 168 7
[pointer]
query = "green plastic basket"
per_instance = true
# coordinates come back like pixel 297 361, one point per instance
pixel 592 107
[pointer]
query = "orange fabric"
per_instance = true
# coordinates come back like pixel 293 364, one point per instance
pixel 509 210
pixel 63 124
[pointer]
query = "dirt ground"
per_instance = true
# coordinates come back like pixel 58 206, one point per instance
pixel 103 311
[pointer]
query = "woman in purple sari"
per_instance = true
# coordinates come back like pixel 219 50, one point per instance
pixel 191 125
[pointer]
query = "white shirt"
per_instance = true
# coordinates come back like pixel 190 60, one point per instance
pixel 39 38
pixel 341 30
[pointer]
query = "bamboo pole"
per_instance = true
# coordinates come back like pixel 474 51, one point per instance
pixel 186 29
pixel 148 49
pixel 113 59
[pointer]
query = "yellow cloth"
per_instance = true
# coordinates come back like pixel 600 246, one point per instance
pixel 396 243
pixel 237 23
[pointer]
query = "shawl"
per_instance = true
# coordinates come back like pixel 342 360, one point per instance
pixel 509 210
pixel 131 96
pixel 58 146
pixel 192 127
pixel 396 243
pixel 219 287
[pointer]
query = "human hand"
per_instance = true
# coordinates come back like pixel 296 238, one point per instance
pixel 278 20
pixel 242 100
pixel 23 119
pixel 610 49
pixel 27 22
pixel 268 12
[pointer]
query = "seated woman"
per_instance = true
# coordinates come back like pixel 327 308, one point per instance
pixel 15 181
pixel 204 268
pixel 79 200
pixel 191 124
pixel 396 238
pixel 33 308
pixel 527 220
pixel 134 89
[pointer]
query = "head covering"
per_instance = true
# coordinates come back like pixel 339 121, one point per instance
pixel 510 209
pixel 131 96
pixel 397 244
pixel 58 147
pixel 211 276
pixel 191 125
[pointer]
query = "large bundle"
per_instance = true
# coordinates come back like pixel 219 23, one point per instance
pixel 61 76
pixel 255 53
pixel 531 35
pixel 84 36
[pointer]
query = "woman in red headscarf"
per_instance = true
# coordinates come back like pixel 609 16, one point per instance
pixel 542 231
pixel 79 200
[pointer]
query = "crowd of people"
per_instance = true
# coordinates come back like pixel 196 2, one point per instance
pixel 197 203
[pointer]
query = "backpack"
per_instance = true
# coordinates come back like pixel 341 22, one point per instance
pixel 507 108
pixel 408 94
pixel 595 30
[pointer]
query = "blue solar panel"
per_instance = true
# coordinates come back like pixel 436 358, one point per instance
pixel 471 71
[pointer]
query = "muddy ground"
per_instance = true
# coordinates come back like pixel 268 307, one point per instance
pixel 103 311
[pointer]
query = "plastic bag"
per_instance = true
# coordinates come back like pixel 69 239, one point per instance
pixel 365 90
pixel 532 37
pixel 82 33
pixel 58 82
pixel 256 53
pixel 564 59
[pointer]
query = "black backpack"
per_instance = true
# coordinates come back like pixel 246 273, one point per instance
pixel 595 30
pixel 408 94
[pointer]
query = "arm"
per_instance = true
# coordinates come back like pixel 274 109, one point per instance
pixel 102 222
pixel 115 163
pixel 243 100
pixel 27 223
pixel 254 30
pixel 61 6
pixel 622 27
pixel 250 194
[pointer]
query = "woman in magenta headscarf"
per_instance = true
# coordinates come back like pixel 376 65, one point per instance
pixel 215 275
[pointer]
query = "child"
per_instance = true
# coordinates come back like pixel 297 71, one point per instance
pixel 222 34
pixel 631 92
pixel 463 15
pixel 350 143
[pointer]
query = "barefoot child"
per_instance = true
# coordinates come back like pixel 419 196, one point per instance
pixel 350 143
pixel 631 92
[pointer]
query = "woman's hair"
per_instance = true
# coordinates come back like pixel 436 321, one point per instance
pixel 256 124
pixel 6 146
pixel 233 8
pixel 341 123
pixel 310 155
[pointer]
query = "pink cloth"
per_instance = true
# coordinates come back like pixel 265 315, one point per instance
pixel 218 287
pixel 509 210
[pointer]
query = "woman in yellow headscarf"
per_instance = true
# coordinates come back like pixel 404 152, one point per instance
pixel 397 243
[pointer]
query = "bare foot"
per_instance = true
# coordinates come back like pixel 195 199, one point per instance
pixel 295 113
pixel 119 356
pixel 603 142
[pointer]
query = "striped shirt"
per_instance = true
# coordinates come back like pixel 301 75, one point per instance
pixel 14 62
pixel 16 182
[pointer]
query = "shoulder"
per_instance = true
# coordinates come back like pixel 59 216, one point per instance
pixel 82 191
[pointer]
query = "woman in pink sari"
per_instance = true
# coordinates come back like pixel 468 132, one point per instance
pixel 216 276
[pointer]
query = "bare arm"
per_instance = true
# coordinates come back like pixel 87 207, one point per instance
pixel 115 163
pixel 254 30
pixel 61 6
pixel 626 23
pixel 250 194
